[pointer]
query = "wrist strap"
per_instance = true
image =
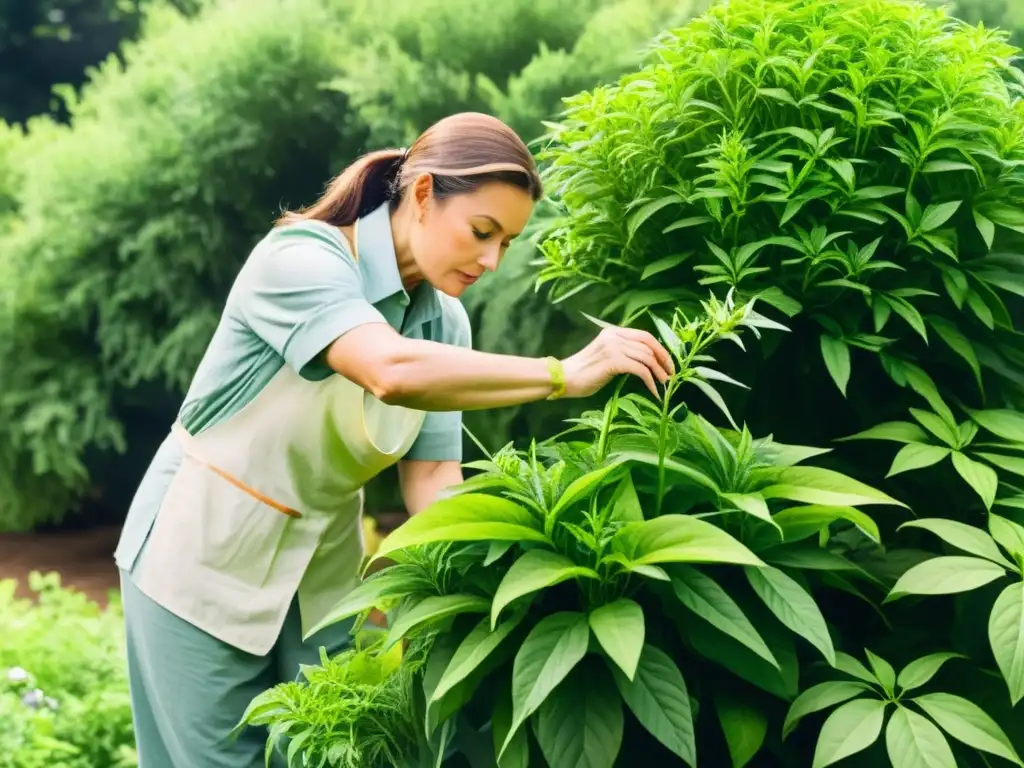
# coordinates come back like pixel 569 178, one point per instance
pixel 557 372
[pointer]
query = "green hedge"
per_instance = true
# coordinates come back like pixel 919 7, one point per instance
pixel 132 221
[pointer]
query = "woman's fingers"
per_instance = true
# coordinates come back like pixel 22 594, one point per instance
pixel 641 370
pixel 657 348
pixel 643 353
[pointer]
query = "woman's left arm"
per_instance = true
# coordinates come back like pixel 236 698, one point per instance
pixel 424 482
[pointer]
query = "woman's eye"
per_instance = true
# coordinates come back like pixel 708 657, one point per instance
pixel 481 235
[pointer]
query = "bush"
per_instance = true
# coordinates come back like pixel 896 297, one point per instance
pixel 63 683
pixel 852 166
pixel 134 219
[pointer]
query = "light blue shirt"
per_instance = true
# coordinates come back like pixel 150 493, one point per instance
pixel 299 290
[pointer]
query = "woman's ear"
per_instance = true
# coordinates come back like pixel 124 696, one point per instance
pixel 422 195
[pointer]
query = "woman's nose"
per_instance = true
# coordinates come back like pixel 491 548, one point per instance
pixel 489 260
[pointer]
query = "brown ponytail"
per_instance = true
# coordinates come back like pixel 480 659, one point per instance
pixel 461 152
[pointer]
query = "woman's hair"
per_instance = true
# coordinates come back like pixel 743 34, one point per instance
pixel 461 152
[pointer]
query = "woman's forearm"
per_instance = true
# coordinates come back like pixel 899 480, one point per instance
pixel 432 376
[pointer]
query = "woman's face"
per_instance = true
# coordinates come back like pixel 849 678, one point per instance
pixel 457 239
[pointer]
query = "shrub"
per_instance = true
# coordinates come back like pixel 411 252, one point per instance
pixel 63 681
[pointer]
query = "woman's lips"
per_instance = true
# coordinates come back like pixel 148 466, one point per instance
pixel 467 278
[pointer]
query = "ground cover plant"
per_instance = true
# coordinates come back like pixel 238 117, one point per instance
pixel 744 573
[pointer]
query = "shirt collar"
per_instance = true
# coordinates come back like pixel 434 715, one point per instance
pixel 382 284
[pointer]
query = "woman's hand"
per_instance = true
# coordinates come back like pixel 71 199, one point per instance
pixel 617 351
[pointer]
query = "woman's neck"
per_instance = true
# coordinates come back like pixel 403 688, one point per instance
pixel 402 221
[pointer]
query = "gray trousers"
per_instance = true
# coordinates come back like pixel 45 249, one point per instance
pixel 189 690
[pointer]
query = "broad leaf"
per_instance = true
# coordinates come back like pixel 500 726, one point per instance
pixel 966 722
pixel 580 724
pixel 920 671
pixel 751 503
pixel 548 654
pixel 896 431
pixel 1004 423
pixel 625 503
pixel 962 536
pixel 816 485
pixel 852 728
pixel 433 609
pixel 619 628
pixel 917 456
pixel 672 466
pixel 744 727
pixel 981 477
pixel 704 597
pixel 472 652
pixel 945 576
pixel 470 517
pixel 798 523
pixel 792 606
pixel 883 671
pixel 584 486
pixel 819 697
pixel 837 360
pixel 852 666
pixel 371 593
pixel 1009 534
pixel 913 741
pixel 517 753
pixel 1006 634
pixel 537 569
pixel 658 698
pixel 937 215
pixel 680 539
pixel 959 343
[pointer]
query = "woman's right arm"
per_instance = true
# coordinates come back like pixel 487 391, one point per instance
pixel 432 376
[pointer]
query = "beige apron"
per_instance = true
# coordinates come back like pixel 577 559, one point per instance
pixel 267 504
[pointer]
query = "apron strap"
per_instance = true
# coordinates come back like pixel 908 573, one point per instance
pixel 188 443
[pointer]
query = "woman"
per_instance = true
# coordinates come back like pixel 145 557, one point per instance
pixel 342 349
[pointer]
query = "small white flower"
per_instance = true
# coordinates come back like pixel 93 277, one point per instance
pixel 33 699
pixel 17 675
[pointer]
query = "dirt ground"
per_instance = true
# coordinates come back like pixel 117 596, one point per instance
pixel 85 559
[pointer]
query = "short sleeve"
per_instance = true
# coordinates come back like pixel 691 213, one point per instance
pixel 440 438
pixel 299 291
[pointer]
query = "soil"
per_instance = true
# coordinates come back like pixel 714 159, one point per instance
pixel 85 558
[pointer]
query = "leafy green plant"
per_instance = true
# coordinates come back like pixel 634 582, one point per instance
pixel 572 586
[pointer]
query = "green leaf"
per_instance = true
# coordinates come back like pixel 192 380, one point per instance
pixel 938 426
pixel 713 395
pixel 658 698
pixel 680 539
pixel 817 698
pixel 909 313
pixel 496 550
pixel 537 569
pixel 1006 635
pixel 704 597
pixel 433 609
pixel 936 215
pixel 548 654
pixel 372 592
pixel 946 576
pixel 837 360
pixel 981 477
pixel 642 214
pixel 1002 422
pixel 883 670
pixel 799 523
pixel 792 606
pixel 917 456
pixel 896 431
pixel 470 517
pixel 619 628
pixel 689 221
pixel 816 485
pixel 920 671
pixel 852 728
pixel 967 722
pixel 744 727
pixel 583 487
pixel 580 724
pixel 913 741
pixel 663 264
pixel 962 536
pixel 851 666
pixel 671 465
pixel 625 503
pixel 472 652
pixel 751 503
pixel 986 227
pixel 1011 464
pixel 940 166
pixel 875 193
pixel 959 343
pixel 1008 534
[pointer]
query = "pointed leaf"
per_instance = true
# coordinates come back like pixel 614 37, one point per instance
pixel 897 431
pixel 837 360
pixel 580 724
pixel 851 666
pixel 1002 422
pixel 1008 534
pixel 583 487
pixel 819 697
pixel 850 729
pixel 798 523
pixel 470 517
pixel 966 722
pixel 680 539
pixel 704 597
pixel 472 652
pixel 1006 634
pixel 946 576
pixel 937 215
pixel 883 671
pixel 433 609
pixel 920 671
pixel 962 536
pixel 744 727
pixel 537 569
pixel 913 741
pixel 713 395
pixel 793 606
pixel 986 227
pixel 642 214
pixel 981 477
pixel 658 698
pixel 663 264
pixel 816 485
pixel 619 628
pixel 917 456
